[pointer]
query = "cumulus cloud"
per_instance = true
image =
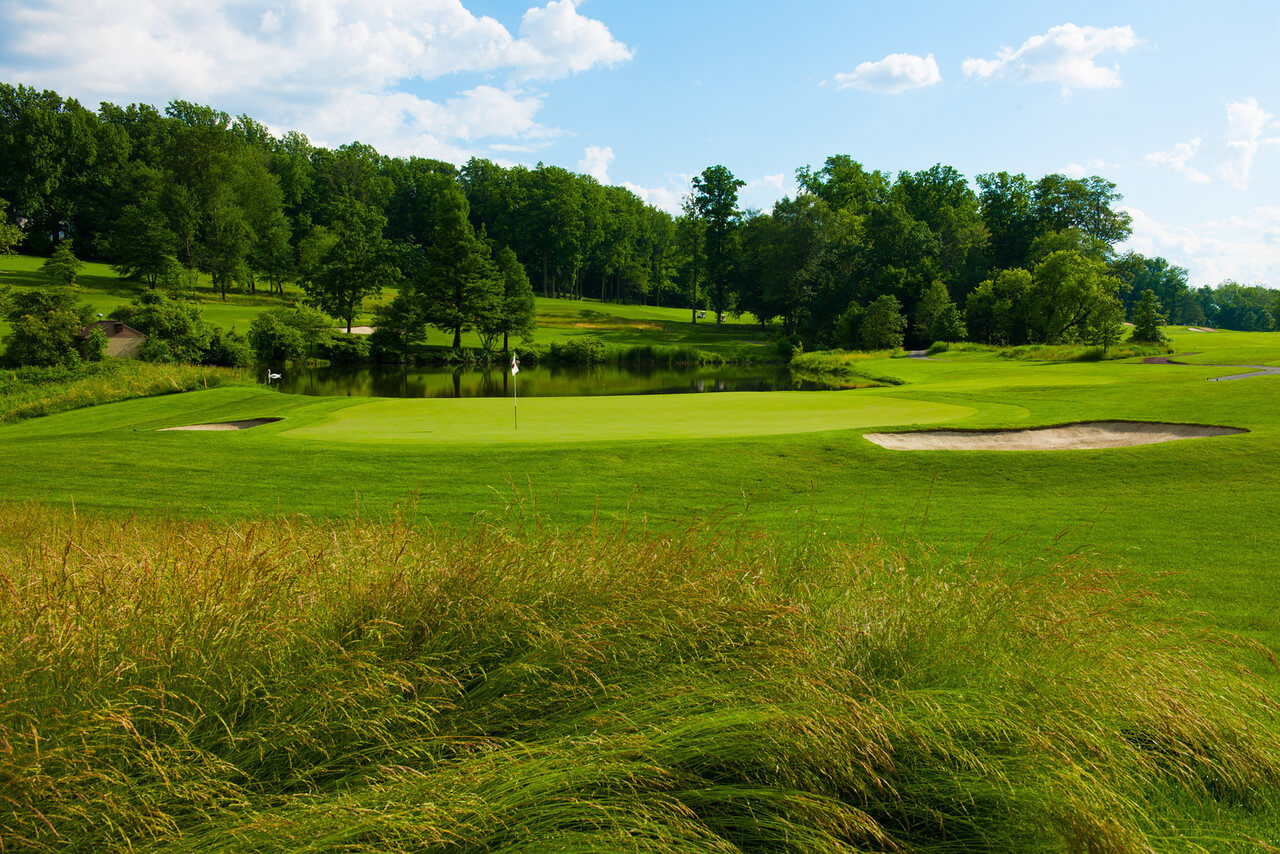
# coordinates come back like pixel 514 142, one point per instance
pixel 595 162
pixel 893 75
pixel 556 41
pixel 1065 55
pixel 669 196
pixel 1246 123
pixel 335 69
pixel 1096 166
pixel 1245 248
pixel 1177 160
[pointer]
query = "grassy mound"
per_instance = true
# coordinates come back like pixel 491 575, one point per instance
pixel 33 392
pixel 287 685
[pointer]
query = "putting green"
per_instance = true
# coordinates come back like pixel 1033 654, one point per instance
pixel 611 419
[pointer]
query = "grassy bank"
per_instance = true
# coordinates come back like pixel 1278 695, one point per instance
pixel 846 365
pixel 33 392
pixel 1057 352
pixel 287 685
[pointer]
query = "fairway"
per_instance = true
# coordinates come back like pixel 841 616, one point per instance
pixel 622 418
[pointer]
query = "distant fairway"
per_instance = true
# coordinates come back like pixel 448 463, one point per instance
pixel 625 418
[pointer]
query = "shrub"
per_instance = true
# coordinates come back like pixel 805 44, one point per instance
pixel 284 334
pixel 45 328
pixel 584 350
pixel 342 349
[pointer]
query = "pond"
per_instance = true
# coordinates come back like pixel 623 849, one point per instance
pixel 539 381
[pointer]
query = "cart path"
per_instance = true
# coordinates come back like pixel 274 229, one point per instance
pixel 1257 370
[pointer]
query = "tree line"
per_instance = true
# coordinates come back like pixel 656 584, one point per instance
pixel 855 258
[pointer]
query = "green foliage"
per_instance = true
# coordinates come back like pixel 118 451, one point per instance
pixel 1148 320
pixel 345 349
pixel 518 314
pixel 996 311
pixel 10 233
pixel 883 325
pixel 937 318
pixel 715 202
pixel 1069 290
pixel 143 246
pixel 357 266
pixel 1105 325
pixel 45 327
pixel 227 350
pixel 62 266
pixel 457 287
pixel 285 334
pixel 176 330
pixel 584 350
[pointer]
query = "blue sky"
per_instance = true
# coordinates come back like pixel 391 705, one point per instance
pixel 1174 101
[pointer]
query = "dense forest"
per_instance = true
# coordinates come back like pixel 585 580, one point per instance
pixel 856 258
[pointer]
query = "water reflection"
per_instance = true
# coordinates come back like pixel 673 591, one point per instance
pixel 538 381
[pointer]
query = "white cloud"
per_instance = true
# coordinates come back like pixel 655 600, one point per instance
pixel 1177 160
pixel 335 69
pixel 1246 122
pixel 556 41
pixel 1244 248
pixel 893 75
pixel 595 162
pixel 1065 55
pixel 669 198
pixel 1096 166
pixel 762 192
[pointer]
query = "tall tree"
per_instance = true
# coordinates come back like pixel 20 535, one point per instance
pixel 1148 319
pixel 715 199
pixel 457 286
pixel 357 266
pixel 62 266
pixel 518 314
pixel 1006 204
pixel 10 233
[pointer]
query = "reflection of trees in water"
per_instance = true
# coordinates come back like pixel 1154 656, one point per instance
pixel 537 381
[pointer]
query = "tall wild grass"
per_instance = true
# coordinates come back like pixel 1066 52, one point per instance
pixel 1058 352
pixel 843 364
pixel 32 392
pixel 295 685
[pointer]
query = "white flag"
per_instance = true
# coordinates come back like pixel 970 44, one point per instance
pixel 515 366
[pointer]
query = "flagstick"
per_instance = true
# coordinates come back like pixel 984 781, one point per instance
pixel 515 380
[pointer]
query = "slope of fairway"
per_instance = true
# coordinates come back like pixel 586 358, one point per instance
pixel 595 419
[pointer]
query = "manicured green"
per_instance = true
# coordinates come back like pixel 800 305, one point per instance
pixel 623 419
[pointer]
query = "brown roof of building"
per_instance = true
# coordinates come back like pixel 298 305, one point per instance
pixel 112 328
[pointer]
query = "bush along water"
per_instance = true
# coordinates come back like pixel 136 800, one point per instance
pixel 351 685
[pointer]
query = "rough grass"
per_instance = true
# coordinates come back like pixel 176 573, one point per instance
pixel 845 365
pixel 33 392
pixel 1061 352
pixel 287 685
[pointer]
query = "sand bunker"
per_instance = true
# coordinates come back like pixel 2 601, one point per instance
pixel 1086 434
pixel 224 425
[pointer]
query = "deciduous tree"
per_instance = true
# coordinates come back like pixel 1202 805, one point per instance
pixel 356 267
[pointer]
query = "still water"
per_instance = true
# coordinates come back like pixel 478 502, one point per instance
pixel 538 381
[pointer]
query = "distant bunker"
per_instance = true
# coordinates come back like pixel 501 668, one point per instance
pixel 1067 437
pixel 224 425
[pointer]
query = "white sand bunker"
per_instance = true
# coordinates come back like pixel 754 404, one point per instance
pixel 1068 437
pixel 224 425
